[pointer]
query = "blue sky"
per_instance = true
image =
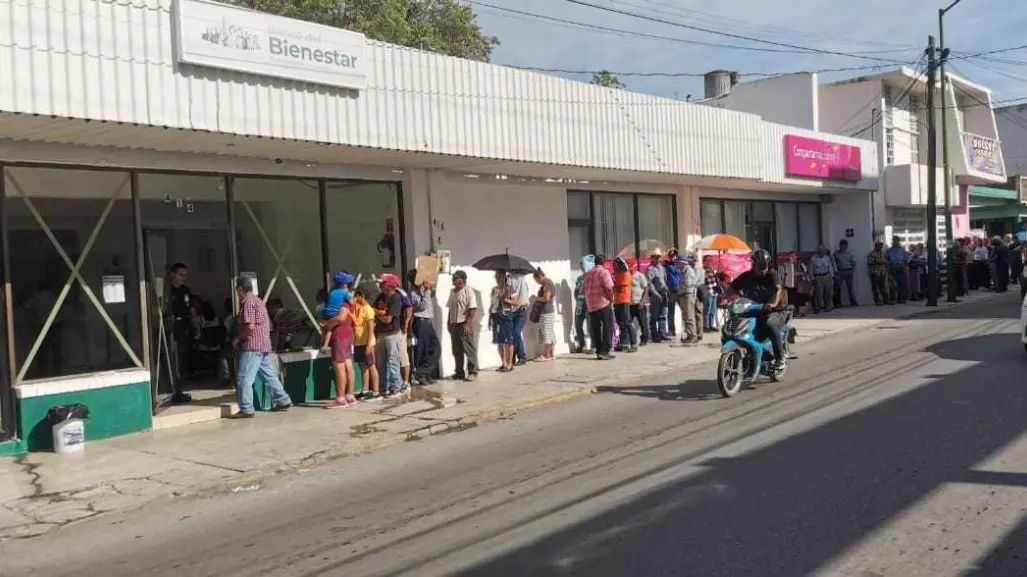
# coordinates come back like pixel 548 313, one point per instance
pixel 899 28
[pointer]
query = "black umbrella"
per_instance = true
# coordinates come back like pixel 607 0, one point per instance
pixel 506 261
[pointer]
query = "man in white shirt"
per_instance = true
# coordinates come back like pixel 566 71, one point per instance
pixel 823 269
pixel 519 288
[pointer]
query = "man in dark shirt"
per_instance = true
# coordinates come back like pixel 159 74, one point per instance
pixel 388 322
pixel 763 285
pixel 179 298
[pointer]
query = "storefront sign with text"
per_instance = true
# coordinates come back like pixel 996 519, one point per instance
pixel 812 158
pixel 232 38
pixel 982 154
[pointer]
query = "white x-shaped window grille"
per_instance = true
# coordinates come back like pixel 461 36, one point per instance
pixel 76 275
pixel 280 269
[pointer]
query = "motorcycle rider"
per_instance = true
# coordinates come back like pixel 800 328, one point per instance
pixel 763 285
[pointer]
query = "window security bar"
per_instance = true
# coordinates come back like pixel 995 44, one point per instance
pixel 76 275
pixel 281 264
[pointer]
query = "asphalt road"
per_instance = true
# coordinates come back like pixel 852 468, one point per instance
pixel 898 451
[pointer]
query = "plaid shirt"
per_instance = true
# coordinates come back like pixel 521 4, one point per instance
pixel 253 312
pixel 711 282
pixel 876 264
pixel 597 281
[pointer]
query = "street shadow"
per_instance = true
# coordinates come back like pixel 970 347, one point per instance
pixel 791 507
pixel 691 390
pixel 976 349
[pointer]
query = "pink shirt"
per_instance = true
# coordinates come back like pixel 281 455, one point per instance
pixel 597 281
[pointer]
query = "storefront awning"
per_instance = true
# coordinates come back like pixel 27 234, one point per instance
pixel 990 192
pixel 1004 211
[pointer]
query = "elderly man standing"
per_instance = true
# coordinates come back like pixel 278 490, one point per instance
pixel 688 291
pixel 519 288
pixel 656 274
pixel 253 344
pixel 823 269
pixel 598 289
pixel 846 263
pixel 898 265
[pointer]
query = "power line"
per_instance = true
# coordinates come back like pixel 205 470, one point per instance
pixel 778 31
pixel 989 52
pixel 806 49
pixel 689 74
pixel 1019 122
pixel 622 32
pixel 917 67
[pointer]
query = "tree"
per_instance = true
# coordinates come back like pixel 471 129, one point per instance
pixel 608 79
pixel 442 26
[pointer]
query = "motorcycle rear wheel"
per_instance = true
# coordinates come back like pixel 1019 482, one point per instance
pixel 731 373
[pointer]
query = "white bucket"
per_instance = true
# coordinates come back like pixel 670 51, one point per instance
pixel 69 436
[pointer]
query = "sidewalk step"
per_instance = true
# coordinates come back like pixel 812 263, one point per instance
pixel 183 415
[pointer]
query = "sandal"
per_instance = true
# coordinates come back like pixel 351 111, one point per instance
pixel 338 403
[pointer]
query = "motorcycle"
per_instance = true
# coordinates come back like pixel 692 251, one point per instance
pixel 743 357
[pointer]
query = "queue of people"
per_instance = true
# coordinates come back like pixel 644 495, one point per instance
pixel 622 308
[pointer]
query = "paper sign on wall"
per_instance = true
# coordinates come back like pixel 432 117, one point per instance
pixel 113 289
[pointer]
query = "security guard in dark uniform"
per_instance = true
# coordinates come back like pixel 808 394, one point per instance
pixel 179 317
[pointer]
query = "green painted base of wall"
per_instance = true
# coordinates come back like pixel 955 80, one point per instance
pixel 305 382
pixel 11 448
pixel 113 411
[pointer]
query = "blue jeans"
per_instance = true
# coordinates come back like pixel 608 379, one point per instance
pixel 710 309
pixel 520 319
pixel 671 308
pixel 387 358
pixel 250 365
pixel 658 320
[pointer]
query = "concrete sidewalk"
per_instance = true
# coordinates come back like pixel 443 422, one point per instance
pixel 40 492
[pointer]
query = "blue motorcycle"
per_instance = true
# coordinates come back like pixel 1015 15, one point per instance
pixel 743 357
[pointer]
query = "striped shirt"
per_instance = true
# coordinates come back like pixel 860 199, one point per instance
pixel 253 312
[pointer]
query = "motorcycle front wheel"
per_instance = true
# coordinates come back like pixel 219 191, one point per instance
pixel 731 372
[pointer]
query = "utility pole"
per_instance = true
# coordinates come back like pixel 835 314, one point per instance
pixel 932 180
pixel 950 288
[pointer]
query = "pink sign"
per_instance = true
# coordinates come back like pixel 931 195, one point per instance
pixel 814 158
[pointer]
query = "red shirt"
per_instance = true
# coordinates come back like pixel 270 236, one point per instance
pixel 253 312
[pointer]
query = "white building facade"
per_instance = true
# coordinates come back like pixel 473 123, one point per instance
pixel 137 135
pixel 890 109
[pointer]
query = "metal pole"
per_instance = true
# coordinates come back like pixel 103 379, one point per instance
pixel 932 179
pixel 950 285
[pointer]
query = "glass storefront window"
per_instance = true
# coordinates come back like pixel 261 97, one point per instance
pixel 73 273
pixel 614 224
pixel 711 217
pixel 734 218
pixel 809 226
pixel 363 231
pixel 787 226
pixel 278 236
pixel 655 223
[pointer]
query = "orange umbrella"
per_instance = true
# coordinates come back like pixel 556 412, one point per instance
pixel 722 243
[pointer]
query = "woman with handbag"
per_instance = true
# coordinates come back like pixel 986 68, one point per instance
pixel 543 314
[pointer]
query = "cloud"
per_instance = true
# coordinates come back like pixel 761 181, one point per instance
pixel 898 26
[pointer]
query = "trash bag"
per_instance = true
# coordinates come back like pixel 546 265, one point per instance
pixel 61 413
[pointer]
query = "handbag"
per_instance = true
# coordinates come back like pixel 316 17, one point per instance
pixel 536 312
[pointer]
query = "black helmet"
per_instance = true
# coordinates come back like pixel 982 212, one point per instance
pixel 760 259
